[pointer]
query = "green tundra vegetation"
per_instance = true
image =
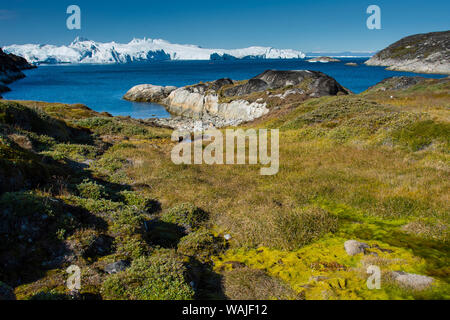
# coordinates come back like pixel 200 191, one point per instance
pixel 84 188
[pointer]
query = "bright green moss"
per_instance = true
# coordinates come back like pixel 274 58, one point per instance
pixel 323 270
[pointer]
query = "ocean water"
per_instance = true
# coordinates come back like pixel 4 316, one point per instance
pixel 101 87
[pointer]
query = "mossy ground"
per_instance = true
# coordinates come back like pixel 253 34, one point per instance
pixel 366 167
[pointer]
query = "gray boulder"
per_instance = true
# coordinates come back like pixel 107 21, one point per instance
pixel 353 247
pixel 148 93
pixel 117 266
pixel 412 281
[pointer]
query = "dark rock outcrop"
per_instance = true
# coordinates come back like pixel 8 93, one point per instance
pixel 217 84
pixel 252 85
pixel 318 83
pixel 10 69
pixel 424 53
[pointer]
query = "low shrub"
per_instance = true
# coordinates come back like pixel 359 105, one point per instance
pixel 419 135
pixel 201 244
pixel 106 125
pixel 127 220
pixel 93 205
pixel 130 246
pixel 185 215
pixel 141 202
pixel 91 190
pixel 158 277
pixel 77 152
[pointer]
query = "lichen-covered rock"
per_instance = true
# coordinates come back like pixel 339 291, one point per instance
pixel 148 93
pixel 412 281
pixel 353 247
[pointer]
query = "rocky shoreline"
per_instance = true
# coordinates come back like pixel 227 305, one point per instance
pixel 324 59
pixel 225 102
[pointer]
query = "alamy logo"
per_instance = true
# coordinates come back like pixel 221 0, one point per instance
pixel 374 281
pixel 374 21
pixel 189 150
pixel 74 280
pixel 74 20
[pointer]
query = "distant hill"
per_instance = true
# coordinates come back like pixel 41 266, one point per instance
pixel 424 53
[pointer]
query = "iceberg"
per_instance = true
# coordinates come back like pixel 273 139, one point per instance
pixel 87 51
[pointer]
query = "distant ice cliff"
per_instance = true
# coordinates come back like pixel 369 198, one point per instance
pixel 87 51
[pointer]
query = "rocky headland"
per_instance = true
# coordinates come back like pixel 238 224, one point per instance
pixel 225 102
pixel 421 53
pixel 11 67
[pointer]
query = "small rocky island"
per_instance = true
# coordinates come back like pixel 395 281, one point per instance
pixel 10 69
pixel 226 102
pixel 324 59
pixel 422 53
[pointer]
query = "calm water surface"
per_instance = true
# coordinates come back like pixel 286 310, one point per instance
pixel 101 87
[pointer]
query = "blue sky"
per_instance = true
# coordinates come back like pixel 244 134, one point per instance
pixel 304 25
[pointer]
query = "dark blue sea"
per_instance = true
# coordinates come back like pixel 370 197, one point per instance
pixel 101 87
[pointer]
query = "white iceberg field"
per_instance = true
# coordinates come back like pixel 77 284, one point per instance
pixel 88 51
